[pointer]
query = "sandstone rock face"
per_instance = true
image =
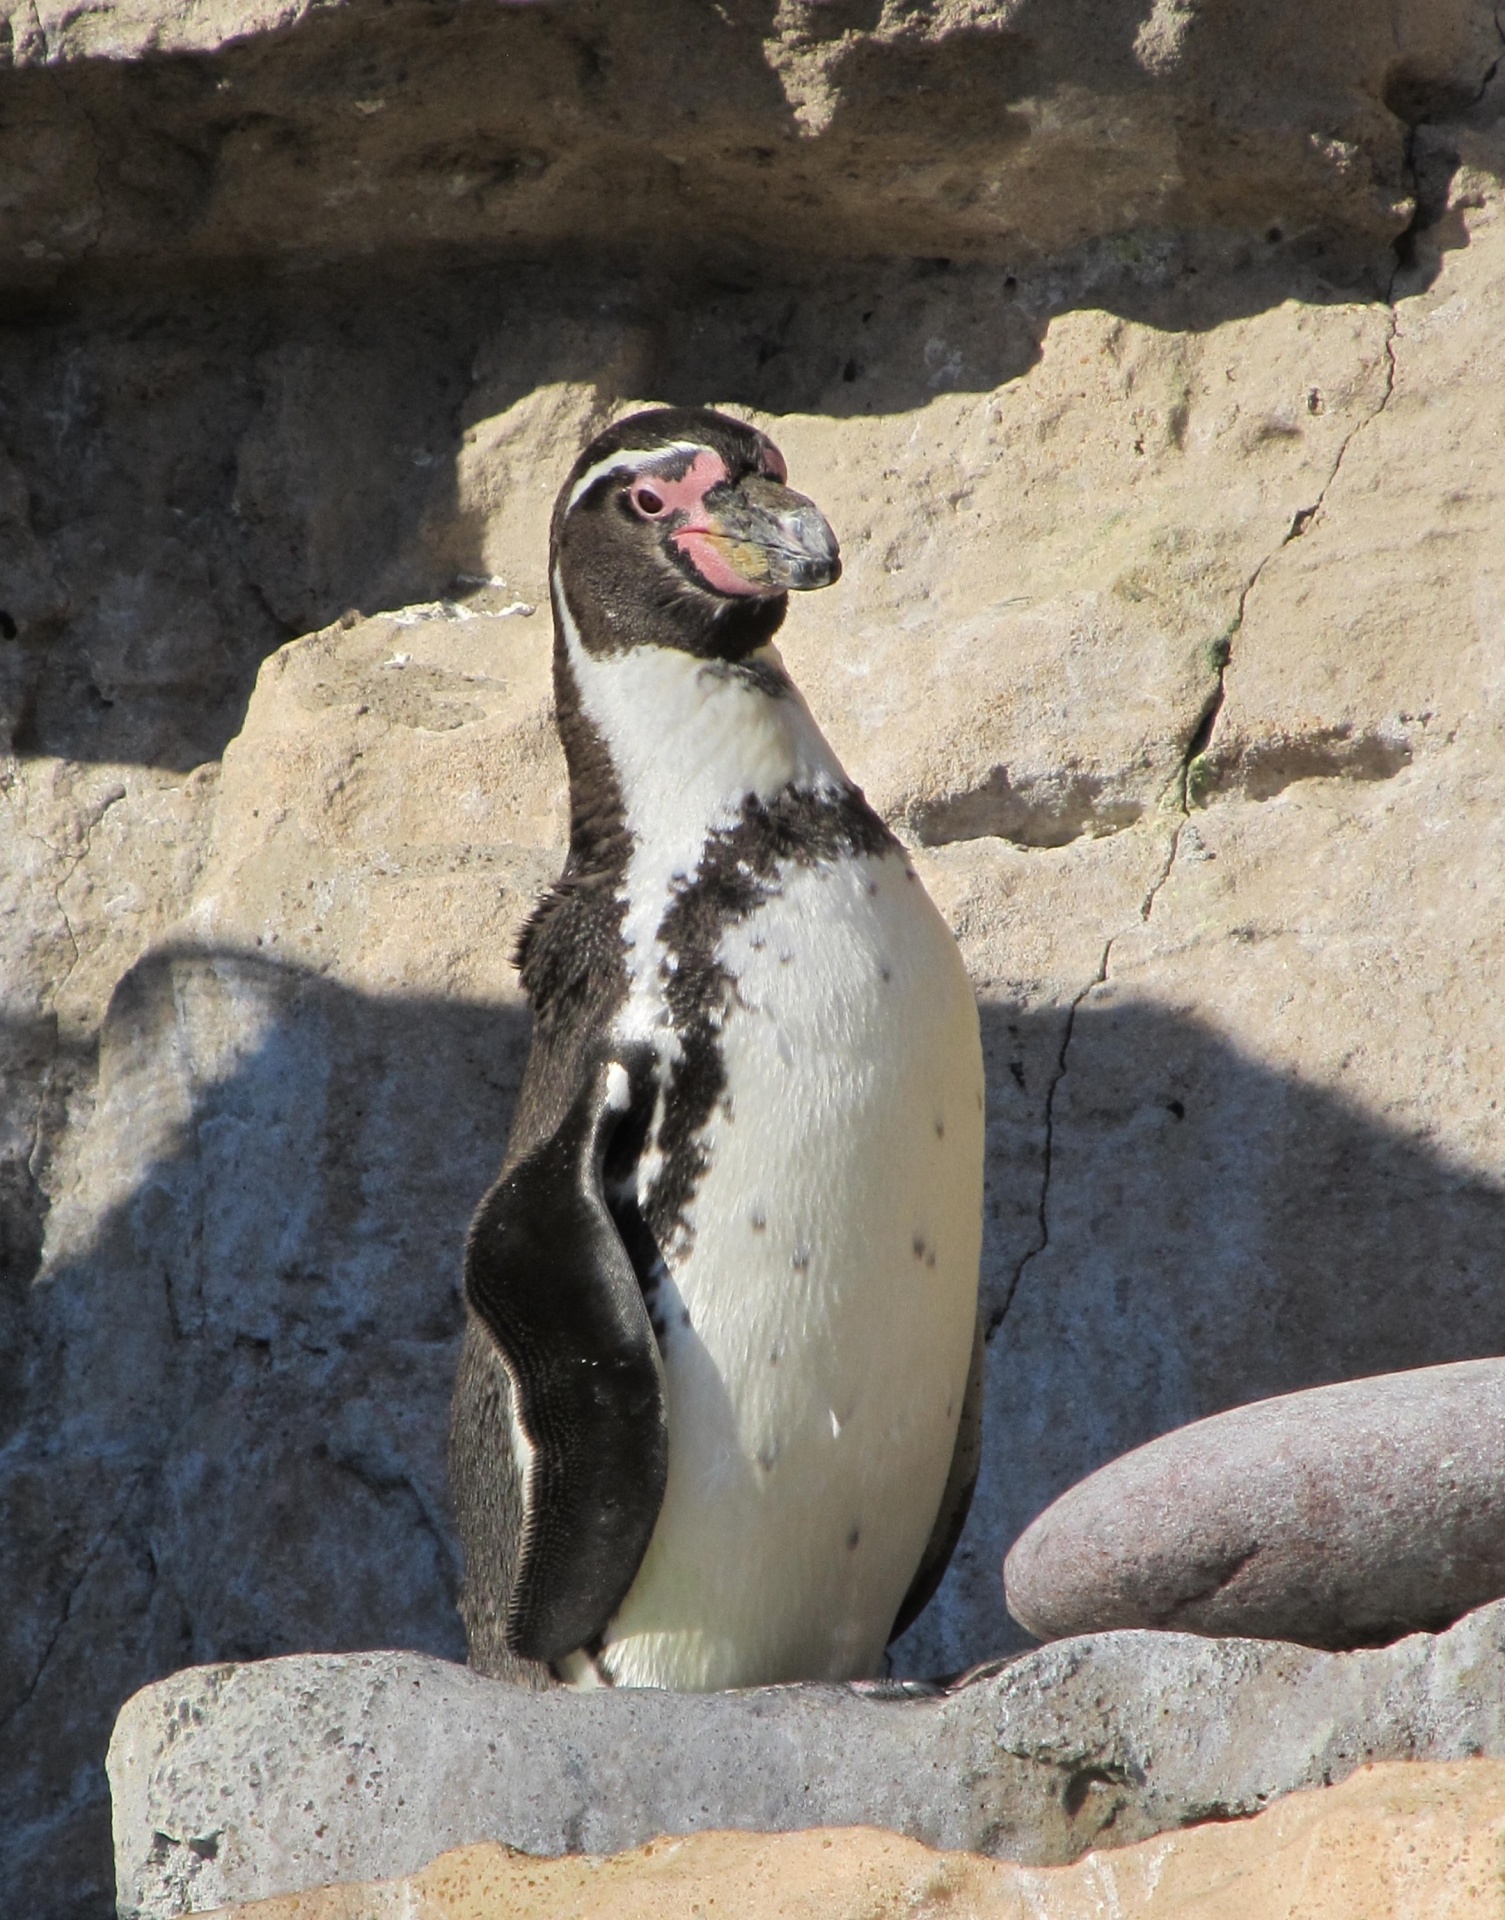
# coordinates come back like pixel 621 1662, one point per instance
pixel 1405 1840
pixel 1344 1516
pixel 243 128
pixel 1170 637
pixel 238 1782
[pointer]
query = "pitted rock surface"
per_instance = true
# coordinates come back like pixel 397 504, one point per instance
pixel 237 1783
pixel 1410 1840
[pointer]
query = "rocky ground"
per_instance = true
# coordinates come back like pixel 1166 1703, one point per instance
pixel 1146 360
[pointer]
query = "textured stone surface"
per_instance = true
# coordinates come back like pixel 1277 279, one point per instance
pixel 1414 1842
pixel 1170 634
pixel 234 1783
pixel 1274 1146
pixel 182 131
pixel 1340 1517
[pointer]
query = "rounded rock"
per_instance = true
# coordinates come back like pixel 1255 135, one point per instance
pixel 1344 1516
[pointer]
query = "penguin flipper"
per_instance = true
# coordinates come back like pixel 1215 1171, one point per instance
pixel 551 1282
pixel 486 1486
pixel 956 1500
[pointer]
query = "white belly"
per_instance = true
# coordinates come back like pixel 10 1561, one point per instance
pixel 817 1351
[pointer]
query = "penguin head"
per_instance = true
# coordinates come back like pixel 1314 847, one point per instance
pixel 677 527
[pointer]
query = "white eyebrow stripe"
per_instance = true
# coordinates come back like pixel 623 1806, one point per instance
pixel 629 461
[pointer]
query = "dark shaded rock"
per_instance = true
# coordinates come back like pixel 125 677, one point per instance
pixel 133 132
pixel 1344 1516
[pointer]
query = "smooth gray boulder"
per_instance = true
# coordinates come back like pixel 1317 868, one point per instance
pixel 234 1783
pixel 1344 1516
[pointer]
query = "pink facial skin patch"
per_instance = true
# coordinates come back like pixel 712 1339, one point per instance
pixel 726 564
pixel 686 494
pixel 714 557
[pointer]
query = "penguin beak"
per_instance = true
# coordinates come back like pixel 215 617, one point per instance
pixel 759 538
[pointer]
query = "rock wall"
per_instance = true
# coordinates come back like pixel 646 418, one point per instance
pixel 1145 359
pixel 999 129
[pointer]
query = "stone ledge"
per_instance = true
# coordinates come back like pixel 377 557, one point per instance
pixel 234 1783
pixel 1398 1839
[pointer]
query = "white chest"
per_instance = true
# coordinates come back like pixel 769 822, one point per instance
pixel 818 1314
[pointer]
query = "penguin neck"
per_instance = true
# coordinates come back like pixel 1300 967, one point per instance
pixel 665 748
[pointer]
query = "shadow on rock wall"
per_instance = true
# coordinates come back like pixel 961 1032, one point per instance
pixel 190 477
pixel 371 128
pixel 238 1353
pixel 1212 1232
pixel 236 1365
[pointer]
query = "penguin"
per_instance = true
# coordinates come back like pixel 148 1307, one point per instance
pixel 716 1421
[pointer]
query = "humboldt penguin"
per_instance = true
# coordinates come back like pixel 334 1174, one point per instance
pixel 716 1420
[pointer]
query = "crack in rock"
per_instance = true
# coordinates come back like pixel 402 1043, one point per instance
pixel 66 1611
pixel 92 819
pixel 1258 770
pixel 1056 808
pixel 1042 1211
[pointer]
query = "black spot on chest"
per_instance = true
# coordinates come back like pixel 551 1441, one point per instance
pixel 739 871
pixel 762 676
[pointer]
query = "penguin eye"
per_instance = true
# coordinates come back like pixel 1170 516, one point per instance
pixel 647 502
